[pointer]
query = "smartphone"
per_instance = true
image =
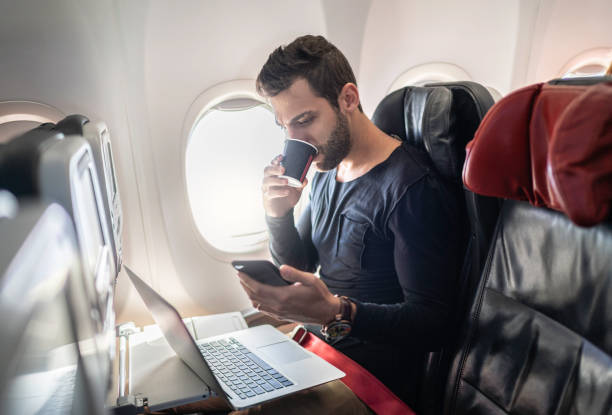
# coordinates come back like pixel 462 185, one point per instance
pixel 262 271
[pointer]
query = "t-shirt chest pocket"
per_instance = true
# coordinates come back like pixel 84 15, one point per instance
pixel 350 245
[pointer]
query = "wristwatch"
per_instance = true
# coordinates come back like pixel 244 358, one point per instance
pixel 341 325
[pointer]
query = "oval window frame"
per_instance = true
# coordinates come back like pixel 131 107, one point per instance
pixel 422 74
pixel 230 92
pixel 596 56
pixel 28 111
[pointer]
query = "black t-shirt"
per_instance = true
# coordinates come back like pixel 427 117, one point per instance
pixel 393 240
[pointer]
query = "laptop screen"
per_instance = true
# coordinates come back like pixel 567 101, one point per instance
pixel 175 332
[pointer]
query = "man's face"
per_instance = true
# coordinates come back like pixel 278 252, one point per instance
pixel 310 118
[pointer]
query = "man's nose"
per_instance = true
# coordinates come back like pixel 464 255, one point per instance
pixel 296 134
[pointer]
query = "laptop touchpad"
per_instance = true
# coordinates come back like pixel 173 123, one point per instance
pixel 283 352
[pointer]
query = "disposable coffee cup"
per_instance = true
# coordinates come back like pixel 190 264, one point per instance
pixel 297 157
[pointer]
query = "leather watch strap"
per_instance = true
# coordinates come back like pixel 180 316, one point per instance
pixel 345 309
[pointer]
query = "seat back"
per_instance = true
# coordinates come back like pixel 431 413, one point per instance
pixel 471 102
pixel 67 174
pixel 19 159
pixel 97 135
pixel 50 354
pixel 61 169
pixel 440 119
pixel 538 339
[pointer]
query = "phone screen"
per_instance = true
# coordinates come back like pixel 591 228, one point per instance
pixel 262 271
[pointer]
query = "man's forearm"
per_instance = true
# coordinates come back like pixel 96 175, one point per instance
pixel 286 244
pixel 416 321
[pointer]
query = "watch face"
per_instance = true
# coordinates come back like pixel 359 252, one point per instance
pixel 338 329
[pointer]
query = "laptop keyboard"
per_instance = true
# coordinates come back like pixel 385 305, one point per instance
pixel 245 374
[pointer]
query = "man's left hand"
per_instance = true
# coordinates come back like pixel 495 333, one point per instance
pixel 307 300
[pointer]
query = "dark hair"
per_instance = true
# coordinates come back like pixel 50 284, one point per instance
pixel 310 57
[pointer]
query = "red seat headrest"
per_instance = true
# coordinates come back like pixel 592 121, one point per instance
pixel 550 145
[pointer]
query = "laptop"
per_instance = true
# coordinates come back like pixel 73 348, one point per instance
pixel 246 367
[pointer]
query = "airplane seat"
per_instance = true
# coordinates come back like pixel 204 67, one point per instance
pixel 471 102
pixel 19 159
pixel 44 163
pixel 8 203
pixel 50 356
pixel 440 119
pixel 581 80
pixel 96 134
pixel 72 124
pixel 537 339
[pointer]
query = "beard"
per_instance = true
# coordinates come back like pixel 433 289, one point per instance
pixel 337 146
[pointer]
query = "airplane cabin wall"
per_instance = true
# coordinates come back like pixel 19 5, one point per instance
pixel 479 38
pixel 187 50
pixel 564 30
pixel 68 54
pixel 140 66
pixel 230 40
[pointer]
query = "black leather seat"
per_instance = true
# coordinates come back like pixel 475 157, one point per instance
pixel 538 338
pixel 441 119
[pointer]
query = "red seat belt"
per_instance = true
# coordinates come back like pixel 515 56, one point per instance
pixel 366 386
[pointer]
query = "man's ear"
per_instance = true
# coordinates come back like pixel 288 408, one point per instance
pixel 348 98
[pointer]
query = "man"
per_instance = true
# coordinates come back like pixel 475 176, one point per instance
pixel 381 228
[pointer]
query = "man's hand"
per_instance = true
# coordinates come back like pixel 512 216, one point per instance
pixel 307 300
pixel 278 197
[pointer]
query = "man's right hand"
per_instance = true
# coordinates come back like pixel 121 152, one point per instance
pixel 278 197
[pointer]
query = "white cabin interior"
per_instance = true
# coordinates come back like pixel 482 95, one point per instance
pixel 149 69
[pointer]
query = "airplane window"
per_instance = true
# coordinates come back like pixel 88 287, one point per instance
pixel 593 62
pixel 17 117
pixel 427 73
pixel 228 148
pixel 593 69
